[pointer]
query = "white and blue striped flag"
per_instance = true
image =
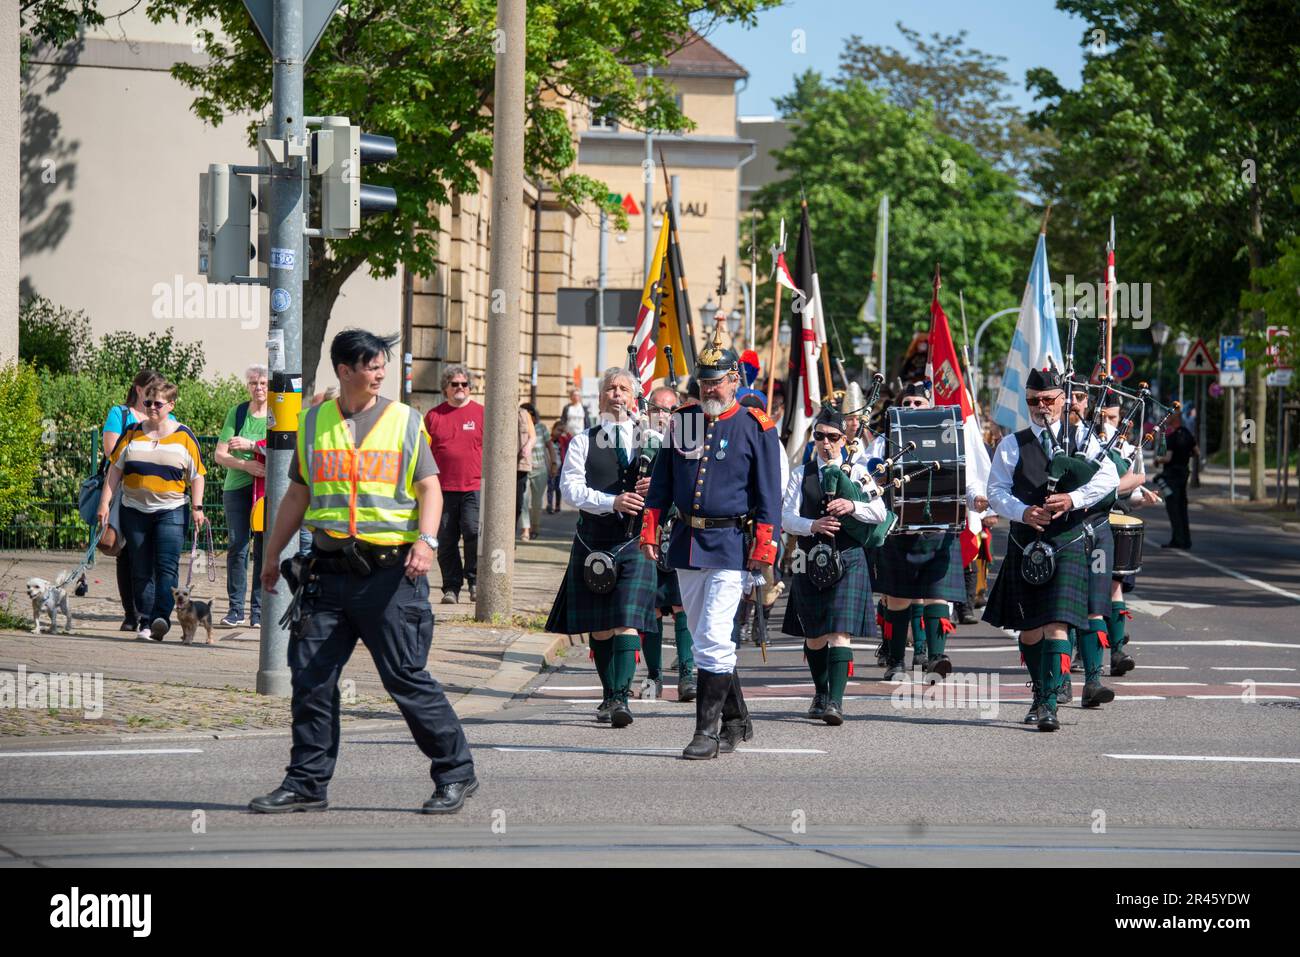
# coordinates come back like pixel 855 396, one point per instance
pixel 1035 340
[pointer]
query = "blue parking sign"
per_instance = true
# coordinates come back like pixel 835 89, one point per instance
pixel 1232 353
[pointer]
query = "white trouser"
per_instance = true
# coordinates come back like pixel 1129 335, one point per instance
pixel 710 597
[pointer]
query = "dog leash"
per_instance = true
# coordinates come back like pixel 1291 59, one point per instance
pixel 194 552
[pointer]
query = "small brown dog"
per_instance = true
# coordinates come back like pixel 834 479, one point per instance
pixel 191 614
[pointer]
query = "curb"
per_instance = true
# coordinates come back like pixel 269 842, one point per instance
pixel 522 661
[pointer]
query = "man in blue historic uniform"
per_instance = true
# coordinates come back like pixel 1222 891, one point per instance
pixel 1043 586
pixel 721 468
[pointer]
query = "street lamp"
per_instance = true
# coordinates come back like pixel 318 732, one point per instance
pixel 708 312
pixel 1159 335
pixel 783 334
pixel 1181 345
pixel 734 319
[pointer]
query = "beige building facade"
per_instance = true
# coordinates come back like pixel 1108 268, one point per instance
pixel 110 158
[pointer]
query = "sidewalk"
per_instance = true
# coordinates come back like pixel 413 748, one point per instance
pixel 1215 493
pixel 210 689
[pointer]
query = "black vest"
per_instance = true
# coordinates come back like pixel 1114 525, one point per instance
pixel 1029 484
pixel 605 475
pixel 811 507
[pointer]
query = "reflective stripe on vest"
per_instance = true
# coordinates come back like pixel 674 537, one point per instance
pixel 366 492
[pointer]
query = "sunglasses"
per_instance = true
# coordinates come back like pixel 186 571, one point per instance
pixel 458 385
pixel 827 437
pixel 1043 400
pixel 153 403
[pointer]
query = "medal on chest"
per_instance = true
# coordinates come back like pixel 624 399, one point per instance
pixel 722 449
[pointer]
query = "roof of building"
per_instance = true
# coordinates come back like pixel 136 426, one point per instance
pixel 698 57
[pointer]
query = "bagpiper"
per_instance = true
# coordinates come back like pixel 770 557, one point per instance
pixel 721 469
pixel 830 504
pixel 609 587
pixel 1042 587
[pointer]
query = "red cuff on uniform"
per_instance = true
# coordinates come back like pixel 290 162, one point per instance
pixel 650 527
pixel 764 548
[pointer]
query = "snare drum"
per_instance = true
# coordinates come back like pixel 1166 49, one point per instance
pixel 1128 533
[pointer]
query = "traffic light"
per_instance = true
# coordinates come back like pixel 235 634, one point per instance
pixel 226 206
pixel 338 151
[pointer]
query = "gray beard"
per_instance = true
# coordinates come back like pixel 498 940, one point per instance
pixel 713 407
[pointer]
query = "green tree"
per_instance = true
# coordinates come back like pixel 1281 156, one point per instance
pixel 422 71
pixel 1184 129
pixel 948 204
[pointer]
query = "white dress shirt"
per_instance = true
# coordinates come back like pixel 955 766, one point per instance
pixel 1007 456
pixel 573 479
pixel 795 524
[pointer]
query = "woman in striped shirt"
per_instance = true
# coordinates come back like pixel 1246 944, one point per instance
pixel 160 470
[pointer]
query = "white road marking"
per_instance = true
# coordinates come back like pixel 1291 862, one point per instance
pixel 1161 684
pixel 541 749
pixel 83 754
pixel 1215 643
pixel 1158 609
pixel 1238 575
pixel 1237 697
pixel 1266 684
pixel 1202 757
pixel 1250 669
pixel 1168 668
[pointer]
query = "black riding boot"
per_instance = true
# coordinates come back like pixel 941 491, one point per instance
pixel 736 724
pixel 713 689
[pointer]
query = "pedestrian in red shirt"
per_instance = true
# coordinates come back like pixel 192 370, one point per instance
pixel 456 437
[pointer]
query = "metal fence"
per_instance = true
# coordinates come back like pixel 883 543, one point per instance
pixel 54 523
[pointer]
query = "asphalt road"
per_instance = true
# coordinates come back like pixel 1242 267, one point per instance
pixel 1197 762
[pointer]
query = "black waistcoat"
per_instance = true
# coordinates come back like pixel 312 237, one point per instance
pixel 811 507
pixel 1029 484
pixel 605 475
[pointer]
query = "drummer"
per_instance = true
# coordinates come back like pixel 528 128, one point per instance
pixel 1131 494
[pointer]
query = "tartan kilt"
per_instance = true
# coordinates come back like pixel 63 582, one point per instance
pixel 1099 582
pixel 874 560
pixel 668 594
pixel 579 611
pixel 921 565
pixel 847 608
pixel 1015 604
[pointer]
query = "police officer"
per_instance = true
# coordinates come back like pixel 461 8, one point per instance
pixel 1042 606
pixel 364 480
pixel 828 616
pixel 608 589
pixel 721 469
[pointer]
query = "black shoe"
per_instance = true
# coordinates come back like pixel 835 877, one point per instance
pixel 1031 717
pixel 1047 720
pixel 449 798
pixel 159 628
pixel 965 616
pixel 1121 664
pixel 941 666
pixel 473 593
pixel 919 662
pixel 129 624
pixel 818 706
pixel 882 657
pixel 713 691
pixel 283 801
pixel 736 724
pixel 450 597
pixel 833 715
pixel 620 715
pixel 896 670
pixel 1065 692
pixel 686 685
pixel 602 711
pixel 1096 694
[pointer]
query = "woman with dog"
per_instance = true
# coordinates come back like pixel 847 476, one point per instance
pixel 244 428
pixel 120 418
pixel 160 471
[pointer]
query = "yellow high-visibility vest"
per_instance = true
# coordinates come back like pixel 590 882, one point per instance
pixel 366 492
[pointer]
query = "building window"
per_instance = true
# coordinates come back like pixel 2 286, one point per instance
pixel 602 121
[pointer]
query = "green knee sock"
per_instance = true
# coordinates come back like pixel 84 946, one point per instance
pixel 682 635
pixel 652 643
pixel 1055 653
pixel 817 666
pixel 1090 650
pixel 1033 662
pixel 623 666
pixel 936 638
pixel 603 651
pixel 897 621
pixel 837 672
pixel 1116 626
pixel 917 610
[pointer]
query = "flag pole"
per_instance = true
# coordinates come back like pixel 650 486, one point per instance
pixel 1110 295
pixel 771 365
pixel 826 346
pixel 681 302
pixel 884 283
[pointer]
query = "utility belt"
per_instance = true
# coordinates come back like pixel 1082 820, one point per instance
pixel 358 558
pixel 734 521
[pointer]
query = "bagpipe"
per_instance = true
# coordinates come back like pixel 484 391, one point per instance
pixel 644 461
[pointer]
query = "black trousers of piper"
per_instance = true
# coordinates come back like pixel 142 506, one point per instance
pixel 459 520
pixel 1176 506
pixel 392 617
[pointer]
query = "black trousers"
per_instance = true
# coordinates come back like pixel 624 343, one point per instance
pixel 392 617
pixel 1176 506
pixel 459 520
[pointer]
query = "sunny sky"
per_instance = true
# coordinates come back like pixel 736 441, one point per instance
pixel 1028 33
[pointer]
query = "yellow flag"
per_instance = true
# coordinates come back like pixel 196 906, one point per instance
pixel 660 283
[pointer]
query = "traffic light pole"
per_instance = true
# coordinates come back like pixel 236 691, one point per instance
pixel 284 342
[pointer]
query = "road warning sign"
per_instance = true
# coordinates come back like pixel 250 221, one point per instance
pixel 1198 361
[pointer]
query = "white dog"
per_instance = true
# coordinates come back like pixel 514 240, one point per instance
pixel 49 598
